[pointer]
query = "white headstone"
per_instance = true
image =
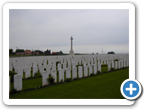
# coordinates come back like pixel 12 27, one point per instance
pixel 80 71
pixel 41 69
pixel 95 68
pixel 20 71
pixel 84 63
pixel 74 72
pixel 116 65
pixel 90 69
pixel 44 78
pixel 61 75
pixel 54 66
pixel 68 73
pixel 109 66
pixel 99 67
pixel 124 63
pixel 64 66
pixel 85 71
pixel 119 66
pixel 35 70
pixel 48 67
pixel 54 75
pixel 27 72
pixel 121 63
pixel 18 82
pixel 112 64
pixel 73 64
pixel 69 65
pixel 59 66
pixel 98 60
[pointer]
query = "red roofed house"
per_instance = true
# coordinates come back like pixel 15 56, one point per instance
pixel 27 52
pixel 54 53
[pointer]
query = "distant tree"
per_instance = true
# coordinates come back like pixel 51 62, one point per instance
pixel 19 50
pixel 10 51
pixel 40 52
pixel 61 52
pixel 111 52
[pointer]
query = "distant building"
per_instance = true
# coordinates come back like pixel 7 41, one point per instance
pixel 47 52
pixel 57 53
pixel 54 53
pixel 27 52
pixel 22 52
pixel 35 53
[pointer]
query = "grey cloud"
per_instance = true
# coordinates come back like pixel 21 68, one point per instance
pixel 52 28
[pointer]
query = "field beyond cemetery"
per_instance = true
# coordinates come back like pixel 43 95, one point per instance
pixel 102 86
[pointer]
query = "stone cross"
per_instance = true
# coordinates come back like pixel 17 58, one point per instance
pixel 71 51
pixel 71 43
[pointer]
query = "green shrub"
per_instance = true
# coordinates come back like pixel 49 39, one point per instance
pixel 92 74
pixel 75 78
pixel 112 69
pixel 98 72
pixel 37 74
pixel 116 60
pixel 68 80
pixel 61 81
pixel 13 91
pixel 50 80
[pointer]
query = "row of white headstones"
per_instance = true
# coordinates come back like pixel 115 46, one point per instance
pixel 89 65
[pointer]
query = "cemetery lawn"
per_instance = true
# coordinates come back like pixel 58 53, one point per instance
pixel 102 86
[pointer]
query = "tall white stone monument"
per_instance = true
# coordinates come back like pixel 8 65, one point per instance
pixel 71 51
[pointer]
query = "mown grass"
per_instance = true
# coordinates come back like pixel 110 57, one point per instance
pixel 102 86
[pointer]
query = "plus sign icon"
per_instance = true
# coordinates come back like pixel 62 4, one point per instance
pixel 131 89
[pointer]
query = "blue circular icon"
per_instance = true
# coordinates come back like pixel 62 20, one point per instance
pixel 131 89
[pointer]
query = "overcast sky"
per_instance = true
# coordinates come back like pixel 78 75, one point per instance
pixel 92 30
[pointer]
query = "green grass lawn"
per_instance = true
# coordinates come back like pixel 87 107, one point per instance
pixel 102 86
pixel 38 81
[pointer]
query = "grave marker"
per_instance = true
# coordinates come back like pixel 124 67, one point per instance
pixel 68 73
pixel 27 72
pixel 44 78
pixel 54 75
pixel 85 71
pixel 18 82
pixel 80 71
pixel 74 72
pixel 61 75
pixel 116 65
pixel 95 68
pixel 90 69
pixel 99 67
pixel 35 70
